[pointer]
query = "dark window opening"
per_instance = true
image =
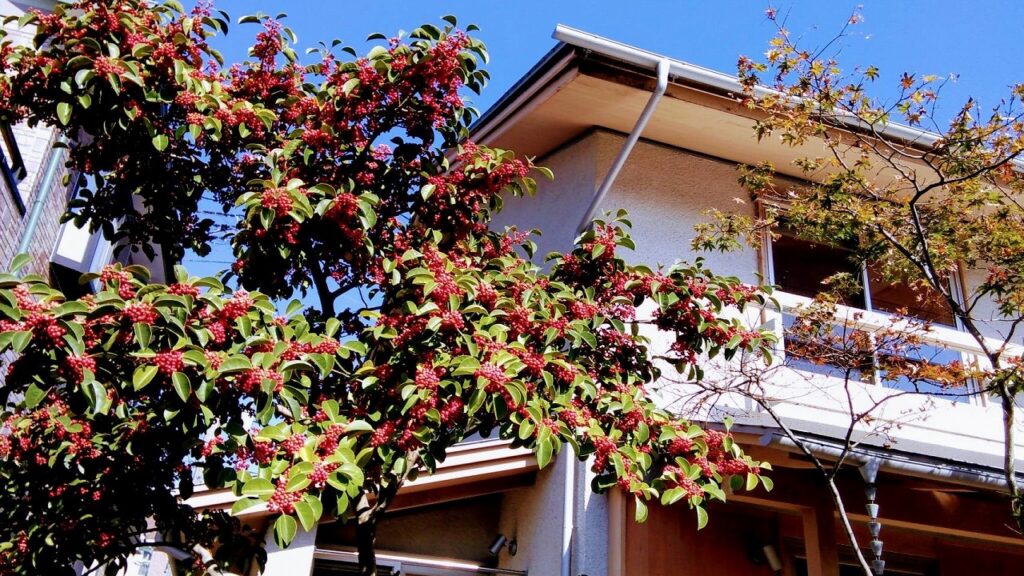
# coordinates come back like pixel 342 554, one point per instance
pixel 802 267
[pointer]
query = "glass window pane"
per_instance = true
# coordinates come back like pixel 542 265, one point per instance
pixel 906 366
pixel 835 354
pixel 800 266
pixel 900 298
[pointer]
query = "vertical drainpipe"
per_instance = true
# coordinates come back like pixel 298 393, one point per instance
pixel 627 147
pixel 571 464
pixel 42 194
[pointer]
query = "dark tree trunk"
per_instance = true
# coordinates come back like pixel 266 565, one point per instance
pixel 366 541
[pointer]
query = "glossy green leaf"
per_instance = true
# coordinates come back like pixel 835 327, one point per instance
pixel 285 529
pixel 143 376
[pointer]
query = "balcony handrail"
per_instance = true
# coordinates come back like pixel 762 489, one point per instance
pixel 872 321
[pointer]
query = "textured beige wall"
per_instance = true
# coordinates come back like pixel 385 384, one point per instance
pixel 560 204
pixel 666 192
pixel 533 516
pixel 986 310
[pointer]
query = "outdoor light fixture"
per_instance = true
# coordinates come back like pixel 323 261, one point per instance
pixel 761 554
pixel 772 558
pixel 500 541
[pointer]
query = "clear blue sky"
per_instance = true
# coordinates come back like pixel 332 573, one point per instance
pixel 979 40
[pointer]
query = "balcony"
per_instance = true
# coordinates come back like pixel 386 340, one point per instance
pixel 909 412
pixel 879 333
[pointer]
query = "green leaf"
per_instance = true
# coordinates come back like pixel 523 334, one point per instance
pixel 284 530
pixel 181 385
pixel 751 481
pixel 243 504
pixel 358 426
pixel 143 334
pixel 258 487
pixel 768 483
pixel 544 451
pixel 204 390
pixel 294 307
pixel 315 505
pixel 33 396
pixel 341 505
pixel 308 516
pixel 70 308
pixel 349 86
pixel 297 482
pixel 99 397
pixel 160 142
pixel 143 375
pixel 324 362
pixel 702 517
pixel 641 510
pixel 20 340
pixel 235 364
pixel 20 261
pixel 64 113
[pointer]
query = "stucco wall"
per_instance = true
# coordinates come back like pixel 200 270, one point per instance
pixel 559 205
pixel 533 516
pixel 986 310
pixel 666 192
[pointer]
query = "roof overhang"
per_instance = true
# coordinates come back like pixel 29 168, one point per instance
pixel 588 81
pixel 470 469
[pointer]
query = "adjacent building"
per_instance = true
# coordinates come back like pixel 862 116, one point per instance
pixel 35 188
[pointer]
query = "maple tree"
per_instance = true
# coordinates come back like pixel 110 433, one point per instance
pixel 354 179
pixel 930 206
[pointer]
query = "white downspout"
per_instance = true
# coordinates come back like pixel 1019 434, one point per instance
pixel 568 503
pixel 627 147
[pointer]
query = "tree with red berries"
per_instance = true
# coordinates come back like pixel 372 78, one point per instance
pixel 356 187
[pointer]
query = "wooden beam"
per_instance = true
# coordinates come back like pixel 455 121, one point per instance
pixel 820 538
pixel 617 532
pixel 905 503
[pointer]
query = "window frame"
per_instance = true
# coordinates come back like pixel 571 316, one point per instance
pixel 767 270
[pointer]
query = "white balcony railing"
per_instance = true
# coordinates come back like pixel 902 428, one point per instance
pixel 934 343
pixel 961 423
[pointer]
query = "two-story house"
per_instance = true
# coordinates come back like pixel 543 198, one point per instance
pixel 625 128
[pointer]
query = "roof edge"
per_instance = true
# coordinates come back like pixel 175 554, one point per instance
pixel 551 64
pixel 692 74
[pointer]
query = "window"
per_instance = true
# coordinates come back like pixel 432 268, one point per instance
pixel 801 267
pixel 12 166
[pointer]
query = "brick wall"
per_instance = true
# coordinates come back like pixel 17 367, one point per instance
pixel 36 149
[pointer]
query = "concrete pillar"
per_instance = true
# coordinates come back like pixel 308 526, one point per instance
pixel 295 560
